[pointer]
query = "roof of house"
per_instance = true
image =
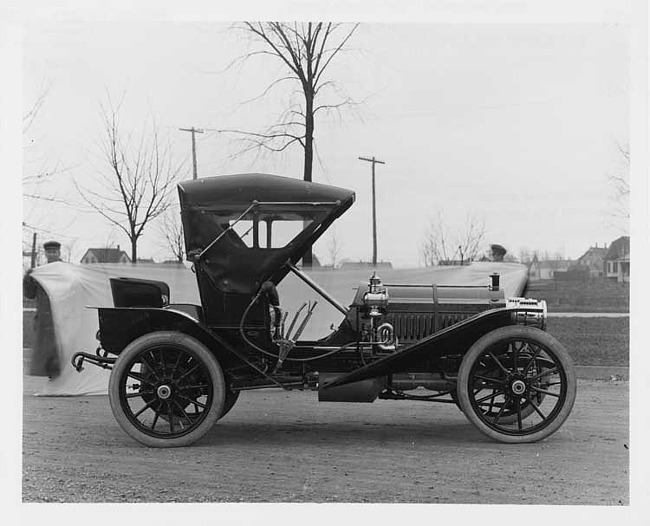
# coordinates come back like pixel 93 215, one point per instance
pixel 619 248
pixel 594 251
pixel 106 255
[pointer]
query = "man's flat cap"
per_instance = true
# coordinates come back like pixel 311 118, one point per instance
pixel 52 244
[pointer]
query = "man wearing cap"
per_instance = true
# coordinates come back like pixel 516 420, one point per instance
pixel 45 358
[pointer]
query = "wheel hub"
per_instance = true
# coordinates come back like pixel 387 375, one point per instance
pixel 164 392
pixel 518 387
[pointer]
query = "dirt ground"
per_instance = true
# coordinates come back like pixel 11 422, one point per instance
pixel 286 447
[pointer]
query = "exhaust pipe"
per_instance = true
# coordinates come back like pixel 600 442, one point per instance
pixel 430 381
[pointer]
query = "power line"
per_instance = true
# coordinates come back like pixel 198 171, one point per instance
pixel 51 199
pixel 45 231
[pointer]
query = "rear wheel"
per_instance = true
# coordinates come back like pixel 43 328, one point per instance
pixel 166 389
pixel 517 384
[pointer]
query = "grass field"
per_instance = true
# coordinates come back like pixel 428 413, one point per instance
pixel 594 341
pixel 598 295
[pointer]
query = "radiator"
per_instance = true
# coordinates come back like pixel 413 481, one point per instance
pixel 411 327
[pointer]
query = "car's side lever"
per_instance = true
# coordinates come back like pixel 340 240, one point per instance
pixel 310 311
pixel 284 319
pixel 293 322
pixel 288 342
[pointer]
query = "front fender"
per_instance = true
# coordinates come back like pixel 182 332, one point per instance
pixel 455 339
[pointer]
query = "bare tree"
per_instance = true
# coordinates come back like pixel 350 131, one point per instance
pixel 527 255
pixel 135 185
pixel 334 246
pixel 68 248
pixel 36 176
pixel 171 231
pixel 37 181
pixel 35 108
pixel 620 184
pixel 442 245
pixel 305 50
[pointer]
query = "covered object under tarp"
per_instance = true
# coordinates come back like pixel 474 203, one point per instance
pixel 73 289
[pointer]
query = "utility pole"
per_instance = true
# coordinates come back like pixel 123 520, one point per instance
pixel 374 208
pixel 193 130
pixel 33 261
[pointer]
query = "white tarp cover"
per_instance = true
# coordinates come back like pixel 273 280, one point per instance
pixel 74 288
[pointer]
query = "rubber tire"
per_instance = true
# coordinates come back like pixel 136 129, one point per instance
pixel 229 402
pixel 189 345
pixel 508 333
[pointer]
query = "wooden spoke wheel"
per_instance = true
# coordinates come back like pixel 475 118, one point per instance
pixel 166 389
pixel 517 384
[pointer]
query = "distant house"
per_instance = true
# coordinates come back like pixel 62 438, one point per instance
pixel 594 260
pixel 617 260
pixel 546 269
pixel 105 255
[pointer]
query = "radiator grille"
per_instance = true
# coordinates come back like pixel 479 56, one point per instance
pixel 415 326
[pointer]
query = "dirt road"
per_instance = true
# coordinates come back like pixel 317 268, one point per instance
pixel 286 447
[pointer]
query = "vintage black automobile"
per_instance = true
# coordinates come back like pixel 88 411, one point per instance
pixel 177 369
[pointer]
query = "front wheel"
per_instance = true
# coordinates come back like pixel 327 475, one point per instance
pixel 517 384
pixel 166 389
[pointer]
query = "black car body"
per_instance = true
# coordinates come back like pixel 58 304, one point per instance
pixel 177 369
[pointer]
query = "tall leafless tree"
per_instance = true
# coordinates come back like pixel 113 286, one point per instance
pixel 620 184
pixel 38 188
pixel 68 249
pixel 171 231
pixel 138 176
pixel 334 246
pixel 37 172
pixel 304 50
pixel 527 255
pixel 36 106
pixel 442 244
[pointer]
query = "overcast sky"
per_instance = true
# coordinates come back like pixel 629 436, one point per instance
pixel 517 124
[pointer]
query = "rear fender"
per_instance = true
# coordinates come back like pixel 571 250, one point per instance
pixel 118 327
